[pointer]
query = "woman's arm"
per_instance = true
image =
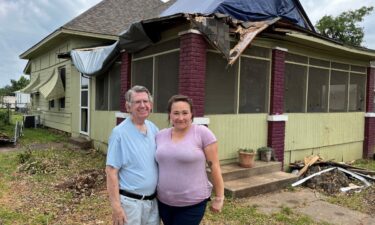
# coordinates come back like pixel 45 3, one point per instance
pixel 212 158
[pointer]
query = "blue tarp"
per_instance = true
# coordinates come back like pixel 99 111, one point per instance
pixel 245 10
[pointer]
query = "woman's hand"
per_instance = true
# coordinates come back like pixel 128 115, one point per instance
pixel 217 204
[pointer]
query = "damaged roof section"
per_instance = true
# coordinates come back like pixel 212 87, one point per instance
pixel 245 10
pixel 216 29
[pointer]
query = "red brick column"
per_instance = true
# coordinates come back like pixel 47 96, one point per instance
pixel 369 141
pixel 192 70
pixel 125 75
pixel 276 121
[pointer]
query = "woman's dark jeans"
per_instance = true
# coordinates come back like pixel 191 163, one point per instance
pixel 187 215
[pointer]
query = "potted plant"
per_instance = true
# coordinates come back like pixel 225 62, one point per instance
pixel 265 153
pixel 246 157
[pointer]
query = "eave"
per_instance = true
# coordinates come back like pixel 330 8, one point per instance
pixel 61 34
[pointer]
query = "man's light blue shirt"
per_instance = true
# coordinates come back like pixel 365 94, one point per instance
pixel 133 153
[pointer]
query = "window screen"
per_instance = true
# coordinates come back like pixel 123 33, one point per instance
pixel 220 85
pixel 166 79
pixel 142 73
pixel 295 88
pixel 115 87
pixel 338 91
pixel 101 100
pixel 253 85
pixel 357 92
pixel 317 97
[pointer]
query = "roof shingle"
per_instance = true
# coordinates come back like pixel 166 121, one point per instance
pixel 114 16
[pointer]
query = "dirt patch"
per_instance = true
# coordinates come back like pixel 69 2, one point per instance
pixel 84 184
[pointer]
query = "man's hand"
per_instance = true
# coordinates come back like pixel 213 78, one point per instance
pixel 118 216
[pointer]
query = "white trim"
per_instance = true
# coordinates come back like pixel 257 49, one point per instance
pixel 277 118
pixel 280 49
pixel 370 115
pixel 121 115
pixel 372 64
pixel 84 107
pixel 190 31
pixel 201 120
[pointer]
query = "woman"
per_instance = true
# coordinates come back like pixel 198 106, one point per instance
pixel 182 152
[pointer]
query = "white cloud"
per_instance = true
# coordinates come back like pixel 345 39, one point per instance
pixel 24 23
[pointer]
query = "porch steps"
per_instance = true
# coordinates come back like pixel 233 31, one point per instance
pixel 80 142
pixel 264 177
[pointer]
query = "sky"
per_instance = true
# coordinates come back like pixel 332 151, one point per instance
pixel 23 23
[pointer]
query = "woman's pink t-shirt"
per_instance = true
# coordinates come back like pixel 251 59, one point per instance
pixel 182 166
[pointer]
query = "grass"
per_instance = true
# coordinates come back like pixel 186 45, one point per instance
pixel 29 193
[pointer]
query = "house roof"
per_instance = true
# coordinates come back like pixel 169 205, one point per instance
pixel 113 16
pixel 105 20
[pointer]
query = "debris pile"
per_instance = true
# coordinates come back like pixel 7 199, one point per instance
pixel 85 183
pixel 331 177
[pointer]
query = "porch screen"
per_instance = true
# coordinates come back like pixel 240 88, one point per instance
pixel 220 85
pixel 166 79
pixel 338 98
pixel 253 85
pixel 357 92
pixel 142 73
pixel 317 100
pixel 295 88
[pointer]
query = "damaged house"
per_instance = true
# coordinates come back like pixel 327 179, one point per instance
pixel 257 71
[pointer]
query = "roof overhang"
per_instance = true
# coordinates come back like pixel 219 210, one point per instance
pixel 27 69
pixel 62 34
pixel 319 43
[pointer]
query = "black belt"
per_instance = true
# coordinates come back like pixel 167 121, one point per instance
pixel 139 197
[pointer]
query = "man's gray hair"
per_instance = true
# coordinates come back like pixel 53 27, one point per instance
pixel 136 89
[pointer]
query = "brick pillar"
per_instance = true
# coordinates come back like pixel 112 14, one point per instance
pixel 192 70
pixel 369 141
pixel 125 74
pixel 276 121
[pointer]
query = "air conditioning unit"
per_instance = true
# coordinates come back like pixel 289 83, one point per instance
pixel 31 121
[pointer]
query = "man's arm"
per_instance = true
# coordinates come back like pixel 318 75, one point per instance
pixel 118 214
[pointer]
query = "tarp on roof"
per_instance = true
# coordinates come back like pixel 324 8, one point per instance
pixel 92 61
pixel 245 10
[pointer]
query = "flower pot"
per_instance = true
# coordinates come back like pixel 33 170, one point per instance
pixel 246 159
pixel 265 156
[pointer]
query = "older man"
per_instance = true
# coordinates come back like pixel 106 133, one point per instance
pixel 131 168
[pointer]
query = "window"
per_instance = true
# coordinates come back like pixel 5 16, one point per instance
pixel 253 85
pixel 159 74
pixel 295 87
pixel 220 85
pixel 108 87
pixel 317 96
pixel 51 104
pixel 62 74
pixel 357 92
pixel 338 91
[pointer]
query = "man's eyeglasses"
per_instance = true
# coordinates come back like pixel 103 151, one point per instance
pixel 139 102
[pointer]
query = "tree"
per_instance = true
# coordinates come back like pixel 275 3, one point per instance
pixel 15 86
pixel 344 27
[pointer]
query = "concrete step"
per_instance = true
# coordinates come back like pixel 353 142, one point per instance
pixel 81 142
pixel 258 184
pixel 233 171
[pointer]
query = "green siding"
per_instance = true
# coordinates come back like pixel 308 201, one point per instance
pixel 235 131
pixel 336 136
